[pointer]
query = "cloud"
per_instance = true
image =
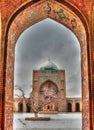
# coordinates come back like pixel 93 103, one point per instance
pixel 44 39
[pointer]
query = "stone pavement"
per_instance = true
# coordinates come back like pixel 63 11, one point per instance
pixel 57 122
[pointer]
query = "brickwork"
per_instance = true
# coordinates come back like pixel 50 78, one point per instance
pixel 47 80
pixel 92 63
pixel 83 5
pixel 16 18
pixel 73 102
pixel 16 104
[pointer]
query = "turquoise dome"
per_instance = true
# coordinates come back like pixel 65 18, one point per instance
pixel 49 65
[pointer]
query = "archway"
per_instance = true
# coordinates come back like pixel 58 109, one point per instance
pixel 48 86
pixel 69 107
pixel 29 15
pixel 48 108
pixel 20 107
pixel 27 108
pixel 77 107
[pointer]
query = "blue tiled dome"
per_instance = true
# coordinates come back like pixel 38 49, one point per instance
pixel 49 65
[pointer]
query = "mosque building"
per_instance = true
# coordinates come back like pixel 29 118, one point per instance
pixel 49 80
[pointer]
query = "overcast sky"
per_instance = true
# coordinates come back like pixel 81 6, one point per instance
pixel 48 39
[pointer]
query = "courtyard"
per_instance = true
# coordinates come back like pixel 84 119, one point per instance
pixel 62 121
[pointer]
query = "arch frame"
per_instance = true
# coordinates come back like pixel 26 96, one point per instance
pixel 63 12
pixel 48 80
pixel 77 107
pixel 69 107
pixel 20 107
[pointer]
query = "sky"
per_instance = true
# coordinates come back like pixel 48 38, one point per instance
pixel 44 39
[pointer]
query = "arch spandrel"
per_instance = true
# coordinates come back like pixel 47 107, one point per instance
pixel 43 10
pixel 32 15
pixel 46 81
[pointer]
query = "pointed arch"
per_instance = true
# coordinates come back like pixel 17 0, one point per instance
pixel 63 12
pixel 69 107
pixel 48 85
pixel 27 108
pixel 77 107
pixel 20 107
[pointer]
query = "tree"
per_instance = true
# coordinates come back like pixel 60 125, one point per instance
pixel 37 103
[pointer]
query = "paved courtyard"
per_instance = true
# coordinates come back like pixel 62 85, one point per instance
pixel 58 122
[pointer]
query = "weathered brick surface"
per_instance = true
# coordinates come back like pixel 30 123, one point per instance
pixel 51 8
pixel 84 6
pixel 7 9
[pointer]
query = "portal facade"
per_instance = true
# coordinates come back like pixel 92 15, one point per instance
pixel 49 83
pixel 78 16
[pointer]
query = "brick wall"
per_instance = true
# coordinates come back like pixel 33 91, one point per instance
pixel 8 7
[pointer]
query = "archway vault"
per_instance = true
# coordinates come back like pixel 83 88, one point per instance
pixel 49 85
pixel 30 14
